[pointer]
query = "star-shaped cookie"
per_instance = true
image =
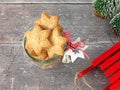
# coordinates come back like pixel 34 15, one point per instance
pixel 39 39
pixel 47 21
pixel 58 42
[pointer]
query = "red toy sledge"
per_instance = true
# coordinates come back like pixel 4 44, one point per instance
pixel 109 62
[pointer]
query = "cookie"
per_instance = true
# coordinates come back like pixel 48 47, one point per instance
pixel 47 22
pixel 58 42
pixel 38 39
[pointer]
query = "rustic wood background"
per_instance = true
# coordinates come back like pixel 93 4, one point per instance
pixel 16 70
pixel 46 1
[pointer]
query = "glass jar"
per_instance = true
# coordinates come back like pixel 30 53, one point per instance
pixel 44 64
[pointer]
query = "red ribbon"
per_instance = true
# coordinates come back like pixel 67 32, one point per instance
pixel 78 45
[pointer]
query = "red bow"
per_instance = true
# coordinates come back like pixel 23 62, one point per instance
pixel 77 45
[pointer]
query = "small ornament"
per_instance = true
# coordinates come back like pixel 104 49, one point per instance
pixel 71 56
pixel 74 49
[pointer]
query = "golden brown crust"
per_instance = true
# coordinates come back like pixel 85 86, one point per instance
pixel 45 40
pixel 58 43
pixel 47 22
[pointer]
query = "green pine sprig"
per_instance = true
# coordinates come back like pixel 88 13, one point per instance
pixel 106 8
pixel 115 24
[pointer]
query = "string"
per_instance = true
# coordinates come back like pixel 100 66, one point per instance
pixel 76 83
pixel 86 83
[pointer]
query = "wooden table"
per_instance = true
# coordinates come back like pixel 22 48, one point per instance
pixel 16 70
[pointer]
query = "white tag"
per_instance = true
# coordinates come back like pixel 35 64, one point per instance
pixel 71 56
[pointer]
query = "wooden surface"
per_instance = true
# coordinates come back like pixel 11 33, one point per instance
pixel 46 1
pixel 16 70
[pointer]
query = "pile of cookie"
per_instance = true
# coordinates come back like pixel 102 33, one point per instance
pixel 45 40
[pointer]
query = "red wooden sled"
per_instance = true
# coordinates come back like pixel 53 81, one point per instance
pixel 109 62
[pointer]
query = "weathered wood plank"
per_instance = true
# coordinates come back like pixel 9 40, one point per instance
pixel 78 19
pixel 113 37
pixel 20 74
pixel 46 1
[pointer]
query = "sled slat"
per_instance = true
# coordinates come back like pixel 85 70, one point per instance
pixel 115 77
pixel 112 69
pixel 110 61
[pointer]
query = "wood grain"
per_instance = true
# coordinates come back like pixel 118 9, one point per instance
pixel 79 19
pixel 45 1
pixel 19 73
